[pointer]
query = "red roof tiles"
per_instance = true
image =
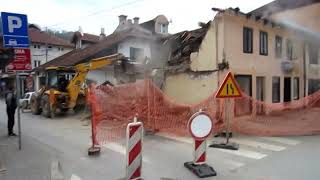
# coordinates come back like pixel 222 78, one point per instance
pixel 37 36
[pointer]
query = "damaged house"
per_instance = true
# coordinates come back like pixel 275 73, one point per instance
pixel 136 41
pixel 273 60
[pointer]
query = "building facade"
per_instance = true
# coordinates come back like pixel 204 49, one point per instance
pixel 271 61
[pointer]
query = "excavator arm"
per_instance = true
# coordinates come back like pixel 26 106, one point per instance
pixel 82 70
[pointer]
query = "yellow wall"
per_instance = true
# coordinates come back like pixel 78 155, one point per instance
pixel 205 59
pixel 187 88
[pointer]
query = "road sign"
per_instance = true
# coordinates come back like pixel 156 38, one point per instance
pixel 15 30
pixel 21 61
pixel 200 127
pixel 229 88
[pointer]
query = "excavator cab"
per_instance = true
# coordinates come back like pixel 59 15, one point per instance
pixel 59 78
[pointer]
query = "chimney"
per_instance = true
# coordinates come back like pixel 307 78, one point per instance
pixel 102 34
pixel 122 19
pixel 80 30
pixel 130 21
pixel 136 20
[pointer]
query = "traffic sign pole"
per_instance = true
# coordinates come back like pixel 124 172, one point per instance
pixel 18 96
pixel 228 90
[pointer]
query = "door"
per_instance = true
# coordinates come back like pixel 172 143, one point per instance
pixel 260 90
pixel 287 89
pixel 243 106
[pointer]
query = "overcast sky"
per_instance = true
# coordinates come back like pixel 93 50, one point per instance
pixel 94 14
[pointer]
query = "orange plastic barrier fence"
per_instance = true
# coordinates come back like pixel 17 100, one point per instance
pixel 114 107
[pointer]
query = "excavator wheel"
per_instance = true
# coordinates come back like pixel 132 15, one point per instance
pixel 45 104
pixel 34 105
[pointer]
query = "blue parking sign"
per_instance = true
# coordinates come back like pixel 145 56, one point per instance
pixel 15 30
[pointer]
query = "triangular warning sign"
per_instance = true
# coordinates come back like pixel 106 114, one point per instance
pixel 229 88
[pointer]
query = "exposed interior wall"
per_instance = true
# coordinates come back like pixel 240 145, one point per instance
pixel 205 58
pixel 124 47
pixel 102 75
pixel 190 88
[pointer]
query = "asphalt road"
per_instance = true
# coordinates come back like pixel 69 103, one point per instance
pixel 259 158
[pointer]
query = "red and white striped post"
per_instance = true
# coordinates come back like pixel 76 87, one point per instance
pixel 200 147
pixel 200 127
pixel 134 149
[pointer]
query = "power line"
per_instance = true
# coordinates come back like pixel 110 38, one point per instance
pixel 98 12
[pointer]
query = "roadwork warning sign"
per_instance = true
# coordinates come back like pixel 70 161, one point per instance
pixel 229 88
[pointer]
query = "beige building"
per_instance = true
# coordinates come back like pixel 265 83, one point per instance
pixel 271 60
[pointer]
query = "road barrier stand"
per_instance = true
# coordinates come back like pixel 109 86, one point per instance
pixel 200 126
pixel 134 134
pixel 95 148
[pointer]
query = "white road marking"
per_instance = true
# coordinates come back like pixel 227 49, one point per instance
pixel 256 144
pixel 244 153
pixel 282 140
pixel 75 177
pixel 233 164
pixel 122 150
pixel 116 147
pixel 175 138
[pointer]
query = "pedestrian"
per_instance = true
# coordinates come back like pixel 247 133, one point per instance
pixel 11 102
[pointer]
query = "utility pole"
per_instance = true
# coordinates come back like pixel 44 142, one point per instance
pixel 46 46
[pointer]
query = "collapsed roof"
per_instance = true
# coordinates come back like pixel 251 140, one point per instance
pixel 182 45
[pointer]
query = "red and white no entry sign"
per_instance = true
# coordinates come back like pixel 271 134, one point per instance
pixel 200 125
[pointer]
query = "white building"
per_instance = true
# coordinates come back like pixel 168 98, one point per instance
pixel 45 47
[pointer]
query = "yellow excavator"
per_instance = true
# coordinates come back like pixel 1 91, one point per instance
pixel 65 88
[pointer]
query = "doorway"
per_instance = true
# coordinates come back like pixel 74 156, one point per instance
pixel 287 89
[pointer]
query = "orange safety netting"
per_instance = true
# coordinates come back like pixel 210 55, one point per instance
pixel 114 107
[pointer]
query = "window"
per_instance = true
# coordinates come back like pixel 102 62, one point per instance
pixel 278 46
pixel 275 89
pixel 49 47
pixel 163 28
pixel 260 88
pixel 136 53
pixel 36 63
pixel 313 85
pixel 247 40
pixel 313 54
pixel 36 46
pixel 296 88
pixel 263 43
pixel 289 49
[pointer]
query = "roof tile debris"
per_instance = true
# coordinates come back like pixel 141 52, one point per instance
pixel 182 45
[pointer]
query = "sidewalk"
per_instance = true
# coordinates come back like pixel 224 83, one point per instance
pixel 33 162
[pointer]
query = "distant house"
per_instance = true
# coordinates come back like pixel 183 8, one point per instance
pixel 130 38
pixel 43 47
pixel 274 60
pixel 82 40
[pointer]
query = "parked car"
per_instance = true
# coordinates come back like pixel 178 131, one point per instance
pixel 24 102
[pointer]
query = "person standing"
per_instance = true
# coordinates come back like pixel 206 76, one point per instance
pixel 11 102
